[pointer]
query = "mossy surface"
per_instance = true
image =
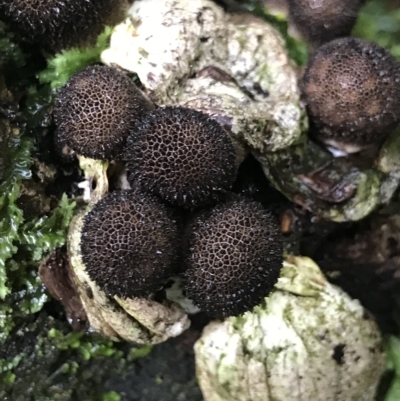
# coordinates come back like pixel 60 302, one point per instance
pixel 380 24
pixel 41 358
pixel 38 349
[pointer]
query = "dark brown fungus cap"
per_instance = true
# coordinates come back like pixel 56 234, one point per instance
pixel 181 155
pixel 234 258
pixel 129 244
pixel 95 111
pixel 352 90
pixel 59 24
pixel 320 21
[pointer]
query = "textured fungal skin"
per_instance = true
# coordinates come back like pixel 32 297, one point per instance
pixel 58 24
pixel 95 111
pixel 234 258
pixel 129 244
pixel 352 90
pixel 321 21
pixel 182 156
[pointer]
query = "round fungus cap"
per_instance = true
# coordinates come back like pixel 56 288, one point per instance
pixel 352 91
pixel 57 24
pixel 129 244
pixel 182 156
pixel 95 111
pixel 320 21
pixel 234 258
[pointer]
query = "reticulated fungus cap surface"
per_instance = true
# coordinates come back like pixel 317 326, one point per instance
pixel 182 156
pixel 95 111
pixel 234 258
pixel 352 91
pixel 320 21
pixel 129 244
pixel 59 24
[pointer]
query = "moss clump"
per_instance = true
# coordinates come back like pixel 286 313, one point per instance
pixel 378 23
pixel 73 366
pixel 63 65
pixel 25 239
pixel 10 53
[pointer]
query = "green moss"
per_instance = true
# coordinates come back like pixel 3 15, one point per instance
pixel 379 24
pixel 297 49
pixel 139 352
pixel 393 354
pixel 11 56
pixel 42 235
pixel 25 242
pixel 44 360
pixel 63 65
pixel 87 346
pixel 17 169
pixel 110 396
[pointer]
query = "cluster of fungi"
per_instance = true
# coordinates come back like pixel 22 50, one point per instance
pixel 181 162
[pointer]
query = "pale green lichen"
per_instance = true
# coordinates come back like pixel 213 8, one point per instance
pixel 254 84
pixel 309 340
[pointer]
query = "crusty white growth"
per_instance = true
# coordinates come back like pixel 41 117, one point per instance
pixel 175 293
pixel 310 341
pixel 160 39
pixel 170 45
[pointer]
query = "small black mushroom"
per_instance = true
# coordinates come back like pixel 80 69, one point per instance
pixel 352 91
pixel 56 24
pixel 234 257
pixel 320 21
pixel 129 244
pixel 95 111
pixel 182 156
